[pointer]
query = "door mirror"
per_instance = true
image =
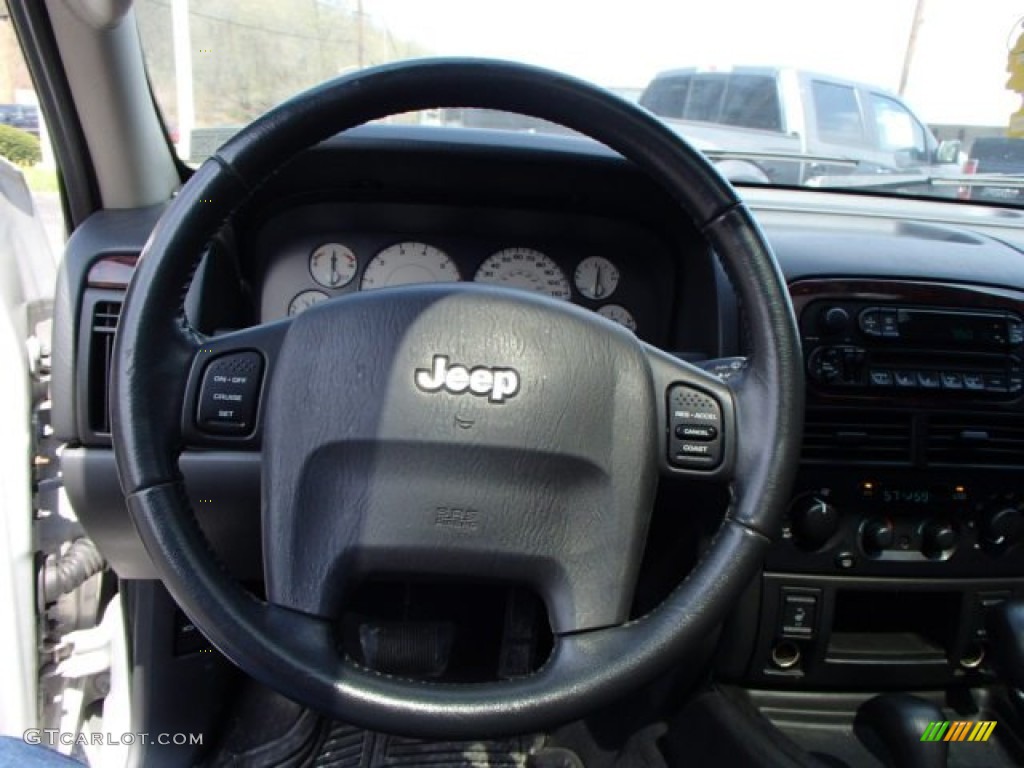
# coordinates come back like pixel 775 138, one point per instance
pixel 948 152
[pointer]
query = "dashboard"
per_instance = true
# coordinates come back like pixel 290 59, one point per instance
pixel 907 517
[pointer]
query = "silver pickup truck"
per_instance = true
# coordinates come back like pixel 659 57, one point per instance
pixel 774 112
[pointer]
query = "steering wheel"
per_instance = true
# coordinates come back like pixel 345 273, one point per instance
pixel 456 430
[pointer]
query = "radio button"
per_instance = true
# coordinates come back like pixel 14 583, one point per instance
pixel 890 324
pixel 974 381
pixel 928 379
pixel 880 378
pixel 1015 331
pixel 995 382
pixel 952 381
pixel 871 322
pixel 905 378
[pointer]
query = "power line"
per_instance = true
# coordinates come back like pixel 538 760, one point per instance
pixel 243 24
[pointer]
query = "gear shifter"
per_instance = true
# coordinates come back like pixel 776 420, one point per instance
pixel 891 726
pixel 1005 624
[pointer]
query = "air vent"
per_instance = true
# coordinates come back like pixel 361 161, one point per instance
pixel 976 439
pixel 841 436
pixel 105 315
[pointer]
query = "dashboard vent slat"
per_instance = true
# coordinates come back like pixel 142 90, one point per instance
pixel 975 439
pixel 850 436
pixel 105 316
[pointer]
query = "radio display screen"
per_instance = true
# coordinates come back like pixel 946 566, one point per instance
pixel 969 329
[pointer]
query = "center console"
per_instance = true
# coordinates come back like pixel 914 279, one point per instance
pixel 907 520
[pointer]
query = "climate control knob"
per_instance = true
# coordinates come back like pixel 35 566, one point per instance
pixel 937 538
pixel 876 535
pixel 813 522
pixel 834 320
pixel 1001 525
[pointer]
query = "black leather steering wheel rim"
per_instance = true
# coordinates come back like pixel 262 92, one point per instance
pixel 155 348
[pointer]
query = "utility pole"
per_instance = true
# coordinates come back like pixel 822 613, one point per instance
pixel 908 57
pixel 183 75
pixel 360 51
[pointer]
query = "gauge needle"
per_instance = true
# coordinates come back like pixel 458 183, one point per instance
pixel 335 277
pixel 598 288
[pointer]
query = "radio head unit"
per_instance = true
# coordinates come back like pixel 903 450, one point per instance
pixel 871 345
pixel 941 328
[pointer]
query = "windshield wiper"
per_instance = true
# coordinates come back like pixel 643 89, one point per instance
pixel 869 180
pixel 780 156
pixel 1005 180
pixel 890 180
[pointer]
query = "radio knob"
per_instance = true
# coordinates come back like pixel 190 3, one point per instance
pixel 937 537
pixel 1001 525
pixel 834 320
pixel 826 364
pixel 876 535
pixel 813 522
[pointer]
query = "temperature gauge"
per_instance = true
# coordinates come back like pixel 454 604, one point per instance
pixel 333 265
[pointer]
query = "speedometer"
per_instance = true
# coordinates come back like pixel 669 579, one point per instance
pixel 408 263
pixel 525 268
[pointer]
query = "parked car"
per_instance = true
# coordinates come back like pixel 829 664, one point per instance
pixel 23 116
pixel 995 156
pixel 792 112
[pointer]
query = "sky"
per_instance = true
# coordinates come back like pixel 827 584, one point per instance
pixel 958 72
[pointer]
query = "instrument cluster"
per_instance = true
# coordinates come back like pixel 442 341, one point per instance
pixel 598 268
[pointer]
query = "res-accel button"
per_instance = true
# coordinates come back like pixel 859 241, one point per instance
pixel 228 395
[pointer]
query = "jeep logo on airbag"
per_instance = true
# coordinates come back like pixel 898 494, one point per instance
pixel 496 384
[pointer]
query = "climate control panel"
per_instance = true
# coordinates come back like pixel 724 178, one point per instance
pixel 906 523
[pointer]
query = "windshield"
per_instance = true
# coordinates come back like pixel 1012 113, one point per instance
pixel 919 97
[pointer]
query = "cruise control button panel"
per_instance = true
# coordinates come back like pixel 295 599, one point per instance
pixel 694 429
pixel 228 394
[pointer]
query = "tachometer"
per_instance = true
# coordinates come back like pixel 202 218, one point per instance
pixel 408 263
pixel 333 265
pixel 525 268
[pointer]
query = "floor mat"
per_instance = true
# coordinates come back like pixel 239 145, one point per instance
pixel 345 746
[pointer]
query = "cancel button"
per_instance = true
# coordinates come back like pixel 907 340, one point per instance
pixel 701 432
